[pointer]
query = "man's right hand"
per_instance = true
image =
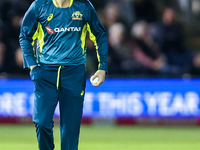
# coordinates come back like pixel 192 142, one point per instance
pixel 31 67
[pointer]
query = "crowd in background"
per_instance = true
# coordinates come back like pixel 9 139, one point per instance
pixel 141 43
pixel 11 15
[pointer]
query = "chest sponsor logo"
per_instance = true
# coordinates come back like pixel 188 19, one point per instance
pixel 57 30
pixel 77 16
pixel 50 17
pixel 75 29
pixel 49 30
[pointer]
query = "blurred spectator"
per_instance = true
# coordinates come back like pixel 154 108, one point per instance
pixel 147 53
pixel 2 55
pixel 2 48
pixel 112 15
pixel 12 12
pixel 102 18
pixel 195 69
pixel 12 28
pixel 19 58
pixel 121 59
pixel 126 10
pixel 169 35
pixel 115 37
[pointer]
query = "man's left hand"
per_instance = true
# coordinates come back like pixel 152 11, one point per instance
pixel 101 77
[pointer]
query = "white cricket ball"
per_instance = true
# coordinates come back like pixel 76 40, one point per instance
pixel 94 81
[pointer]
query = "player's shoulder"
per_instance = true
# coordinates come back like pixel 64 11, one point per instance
pixel 83 2
pixel 41 3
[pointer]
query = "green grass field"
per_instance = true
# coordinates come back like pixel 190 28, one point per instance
pixel 22 137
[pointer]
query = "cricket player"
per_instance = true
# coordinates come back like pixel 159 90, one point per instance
pixel 58 65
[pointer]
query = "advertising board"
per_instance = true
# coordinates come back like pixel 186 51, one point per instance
pixel 114 98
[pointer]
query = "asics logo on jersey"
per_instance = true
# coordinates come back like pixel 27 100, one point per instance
pixel 50 17
pixel 49 30
pixel 77 16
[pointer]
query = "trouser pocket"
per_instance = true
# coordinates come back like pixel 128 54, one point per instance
pixel 35 73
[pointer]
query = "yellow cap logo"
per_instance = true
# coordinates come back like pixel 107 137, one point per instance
pixel 50 17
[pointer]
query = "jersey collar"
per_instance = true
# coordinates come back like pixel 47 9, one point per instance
pixel 71 2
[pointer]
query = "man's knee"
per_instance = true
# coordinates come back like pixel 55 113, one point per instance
pixel 40 124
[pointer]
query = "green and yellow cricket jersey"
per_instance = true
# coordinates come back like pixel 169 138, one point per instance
pixel 61 34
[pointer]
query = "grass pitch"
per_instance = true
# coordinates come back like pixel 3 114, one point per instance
pixel 22 137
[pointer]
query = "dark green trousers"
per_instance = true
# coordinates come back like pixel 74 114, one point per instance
pixel 65 85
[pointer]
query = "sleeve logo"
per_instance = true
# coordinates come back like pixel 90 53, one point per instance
pixel 50 17
pixel 77 16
